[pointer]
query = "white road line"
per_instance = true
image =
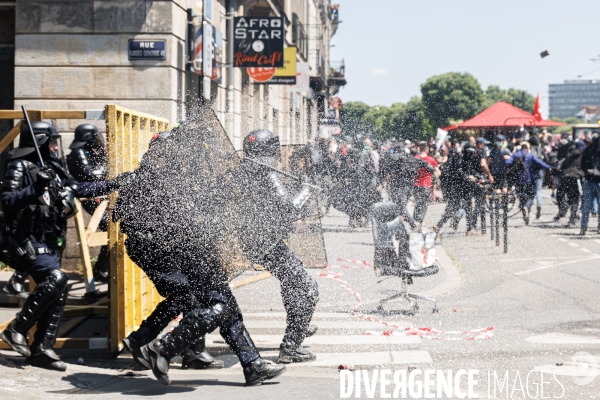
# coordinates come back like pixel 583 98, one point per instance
pixel 371 358
pixel 281 324
pixel 562 239
pixel 597 240
pixel 563 338
pixel 327 340
pixel 573 244
pixel 317 315
pixel 527 271
pixel 585 250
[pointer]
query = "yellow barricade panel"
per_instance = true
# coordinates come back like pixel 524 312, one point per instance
pixel 133 296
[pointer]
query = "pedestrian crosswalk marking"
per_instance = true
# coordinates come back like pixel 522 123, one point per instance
pixel 327 340
pixel 375 358
pixel 281 324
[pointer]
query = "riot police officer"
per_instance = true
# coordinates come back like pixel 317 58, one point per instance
pixel 179 252
pixel 280 208
pixel 87 163
pixel 37 199
pixel 164 269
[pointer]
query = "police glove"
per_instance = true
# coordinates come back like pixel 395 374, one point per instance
pixel 43 177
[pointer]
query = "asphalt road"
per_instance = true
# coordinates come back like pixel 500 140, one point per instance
pixel 516 314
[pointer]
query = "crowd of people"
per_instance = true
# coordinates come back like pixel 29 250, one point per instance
pixel 38 191
pixel 358 172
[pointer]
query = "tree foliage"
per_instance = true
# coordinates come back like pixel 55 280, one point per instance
pixel 446 99
pixel 494 94
pixel 451 96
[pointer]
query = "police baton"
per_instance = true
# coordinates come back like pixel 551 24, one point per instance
pixel 284 173
pixel 37 149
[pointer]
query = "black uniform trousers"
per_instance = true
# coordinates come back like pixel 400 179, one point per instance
pixel 452 194
pixel 299 291
pixel 473 202
pixel 567 195
pixel 191 282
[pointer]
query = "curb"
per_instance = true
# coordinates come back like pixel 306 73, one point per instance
pixel 252 279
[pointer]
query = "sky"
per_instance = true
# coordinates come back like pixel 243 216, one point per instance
pixel 390 47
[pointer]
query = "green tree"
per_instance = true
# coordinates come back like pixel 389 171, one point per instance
pixel 409 121
pixel 352 117
pixel 453 95
pixel 494 94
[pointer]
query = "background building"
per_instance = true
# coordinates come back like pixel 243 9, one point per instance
pixel 65 55
pixel 568 98
pixel 75 55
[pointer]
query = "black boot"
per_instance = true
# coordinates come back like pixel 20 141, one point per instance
pixel 34 308
pixel 46 358
pixel 159 362
pixel 15 284
pixel 150 328
pixel 15 340
pixel 290 352
pixel 193 326
pixel 312 330
pixel 196 357
pixel 260 370
pixel 45 336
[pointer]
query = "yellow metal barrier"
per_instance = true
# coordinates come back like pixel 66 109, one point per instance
pixel 132 295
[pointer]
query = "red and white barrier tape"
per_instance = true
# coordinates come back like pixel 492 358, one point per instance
pixel 425 333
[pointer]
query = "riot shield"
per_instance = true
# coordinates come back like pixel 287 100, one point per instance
pixel 306 240
pixel 183 192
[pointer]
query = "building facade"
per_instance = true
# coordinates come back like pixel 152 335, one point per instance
pixel 76 55
pixel 567 99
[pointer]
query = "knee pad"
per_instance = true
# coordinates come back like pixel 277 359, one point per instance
pixel 208 319
pixel 58 278
pixel 54 285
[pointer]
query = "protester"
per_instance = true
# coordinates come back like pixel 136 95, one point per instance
pixel 422 185
pixel 538 151
pixel 590 164
pixel 568 191
pixel 474 170
pixel 526 165
pixel 451 182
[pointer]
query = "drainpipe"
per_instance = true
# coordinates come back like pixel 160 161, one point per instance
pixel 230 116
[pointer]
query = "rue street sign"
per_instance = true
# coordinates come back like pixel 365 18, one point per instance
pixel 147 49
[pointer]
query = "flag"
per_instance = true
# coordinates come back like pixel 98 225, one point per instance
pixel 441 135
pixel 537 108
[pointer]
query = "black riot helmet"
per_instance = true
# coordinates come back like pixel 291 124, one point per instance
pixel 159 137
pixel 84 134
pixel 263 145
pixel 44 133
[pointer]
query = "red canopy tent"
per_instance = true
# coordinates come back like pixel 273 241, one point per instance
pixel 500 115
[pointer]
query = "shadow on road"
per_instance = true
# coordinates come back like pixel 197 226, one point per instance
pixel 95 383
pixel 13 362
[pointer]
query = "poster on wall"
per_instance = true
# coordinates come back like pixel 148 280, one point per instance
pixel 302 78
pixel 287 74
pixel 208 54
pixel 258 42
